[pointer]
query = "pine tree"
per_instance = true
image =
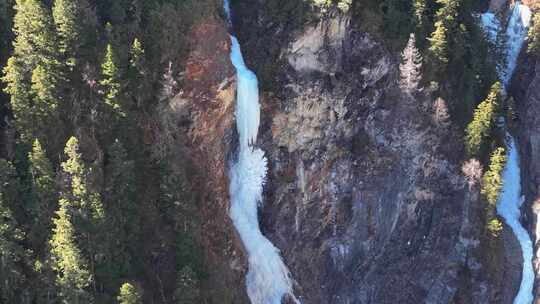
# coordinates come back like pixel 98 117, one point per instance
pixel 492 180
pixel 111 81
pixel 67 18
pixel 480 128
pixel 130 294
pixel 122 225
pixel 18 88
pixel 77 231
pixel 12 254
pixel 137 55
pixel 35 38
pixel 439 43
pixel 32 72
pixel 410 67
pixel 73 275
pixel 72 230
pixel 44 189
pixel 88 202
pixel 43 90
pixel 137 83
pixel 445 28
pixel 491 187
pixel 420 10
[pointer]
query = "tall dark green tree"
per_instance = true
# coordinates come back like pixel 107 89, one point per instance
pixel 446 25
pixel 12 254
pixel 77 233
pixel 67 18
pixel 45 194
pixel 138 82
pixel 491 187
pixel 122 226
pixel 32 72
pixel 73 275
pixel 111 81
pixel 480 128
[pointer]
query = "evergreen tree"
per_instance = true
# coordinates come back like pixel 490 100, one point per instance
pixel 480 128
pixel 18 89
pixel 420 10
pixel 44 189
pixel 12 254
pixel 32 72
pixel 43 91
pixel 77 232
pixel 445 27
pixel 137 82
pixel 73 275
pixel 80 196
pixel 111 81
pixel 410 67
pixel 122 225
pixel 67 18
pixel 491 187
pixel 130 294
pixel 439 43
pixel 35 38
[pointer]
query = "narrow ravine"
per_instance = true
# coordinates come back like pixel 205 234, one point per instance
pixel 511 199
pixel 268 279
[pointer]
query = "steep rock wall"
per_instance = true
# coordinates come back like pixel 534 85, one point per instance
pixel 204 112
pixel 526 93
pixel 365 195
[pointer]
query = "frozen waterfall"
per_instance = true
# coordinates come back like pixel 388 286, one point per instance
pixel 510 199
pixel 509 208
pixel 268 279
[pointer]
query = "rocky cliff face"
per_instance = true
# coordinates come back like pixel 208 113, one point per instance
pixel 204 112
pixel 526 93
pixel 365 195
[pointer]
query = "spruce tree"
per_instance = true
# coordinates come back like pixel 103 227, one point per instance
pixel 137 83
pixel 32 72
pixel 420 10
pixel 44 190
pixel 446 25
pixel 43 91
pixel 122 225
pixel 73 275
pixel 87 202
pixel 439 44
pixel 491 187
pixel 480 128
pixel 77 233
pixel 130 294
pixel 12 254
pixel 67 18
pixel 35 37
pixel 111 81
